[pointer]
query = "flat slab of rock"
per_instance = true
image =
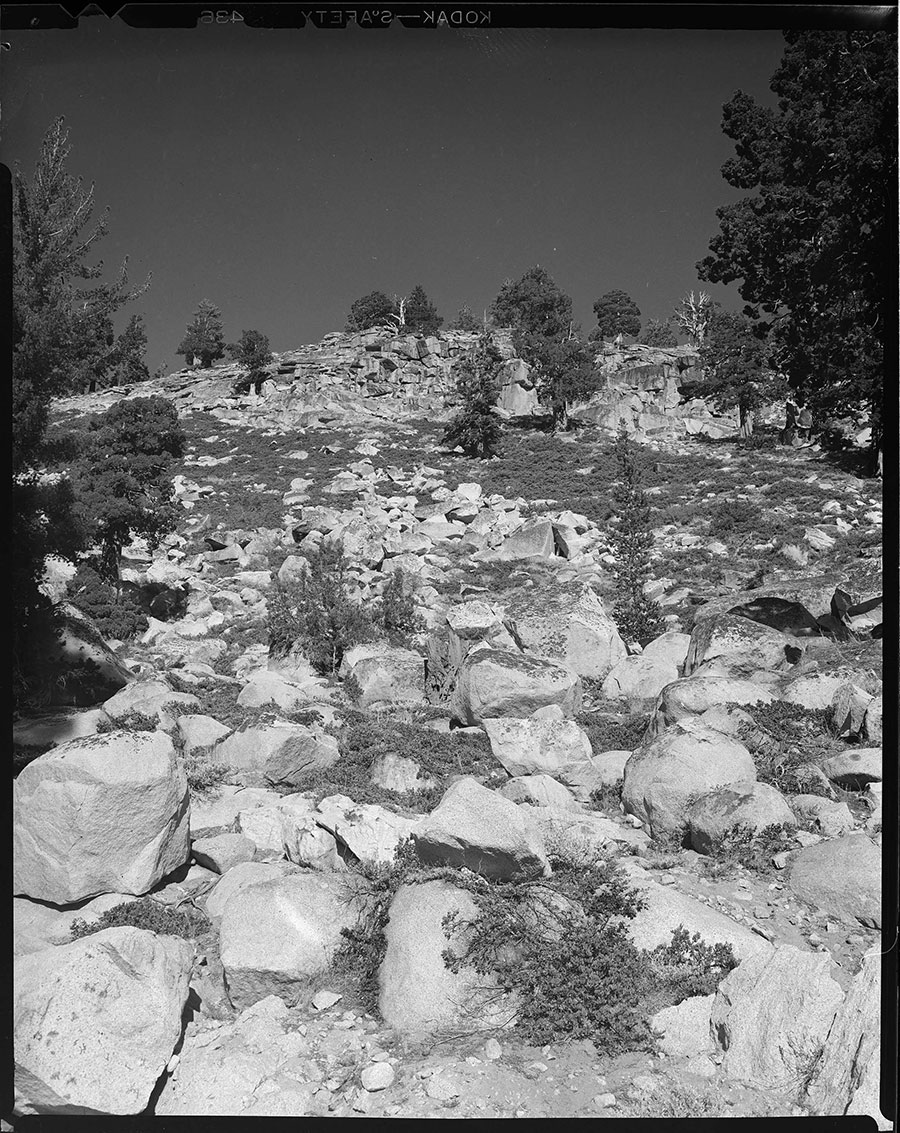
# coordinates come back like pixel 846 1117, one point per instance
pixel 256 1066
pixel 96 1021
pixel 476 828
pixel 37 926
pixel 238 878
pixel 667 908
pixel 217 812
pixel 102 814
pixel 841 876
pixel 371 833
pixel 294 760
pixel 642 677
pixel 386 675
pixel 855 768
pixel 222 852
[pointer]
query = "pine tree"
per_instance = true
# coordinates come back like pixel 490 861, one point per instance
pixel 205 338
pixel 420 313
pixel 123 480
pixel 465 320
pixel 639 619
pixel 476 427
pixel 370 310
pixel 253 353
pixel 62 339
pixel 617 313
pixel 658 333
pixel 131 346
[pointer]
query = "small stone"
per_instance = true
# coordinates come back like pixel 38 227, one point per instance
pixel 492 1050
pixel 441 1090
pixel 361 1102
pixel 322 1000
pixel 378 1076
pixel 604 1101
pixel 172 1063
pixel 780 860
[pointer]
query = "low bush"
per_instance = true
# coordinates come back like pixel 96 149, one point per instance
pixel 362 740
pixel 787 741
pixel 612 731
pixel 118 616
pixel 147 914
pixel 732 517
pixel 743 847
pixel 130 722
pixel 204 774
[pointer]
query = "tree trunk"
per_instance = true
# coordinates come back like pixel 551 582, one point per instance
pixel 746 422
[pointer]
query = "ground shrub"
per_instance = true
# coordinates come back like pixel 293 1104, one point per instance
pixel 569 960
pixel 363 739
pixel 733 517
pixel 613 731
pixel 130 722
pixel 147 914
pixel 675 1099
pixel 786 740
pixel 204 774
pixel 118 616
pixel 607 797
pixel 743 847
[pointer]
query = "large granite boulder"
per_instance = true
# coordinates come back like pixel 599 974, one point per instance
pixel 418 994
pixel 664 776
pixel 691 696
pixel 96 1021
pixel 846 1079
pixel 385 674
pixel 494 682
pixel 477 829
pixel 715 814
pixel 277 935
pixel 738 645
pixel 545 743
pixel 842 877
pixel 772 1014
pixel 102 814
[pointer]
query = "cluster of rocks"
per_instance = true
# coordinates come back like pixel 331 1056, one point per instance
pixel 273 871
pixel 642 389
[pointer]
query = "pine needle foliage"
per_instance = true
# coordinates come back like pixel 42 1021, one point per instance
pixel 638 617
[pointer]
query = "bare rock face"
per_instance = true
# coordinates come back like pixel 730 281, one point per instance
pixel 418 994
pixel 494 682
pixel 841 876
pixel 662 776
pixel 737 645
pixel 276 935
pixel 103 814
pixel 640 677
pixel 691 696
pixel 89 671
pixel 772 1015
pixel 546 743
pixel 386 675
pixel 666 908
pixel 148 698
pixel 756 805
pixel 96 1021
pixel 575 630
pixel 847 1077
pixel 480 830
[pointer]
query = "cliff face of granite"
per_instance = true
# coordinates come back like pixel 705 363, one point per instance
pixel 381 374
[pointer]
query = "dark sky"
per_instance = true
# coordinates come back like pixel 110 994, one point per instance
pixel 282 174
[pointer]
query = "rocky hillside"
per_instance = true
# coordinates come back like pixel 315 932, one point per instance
pixel 259 861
